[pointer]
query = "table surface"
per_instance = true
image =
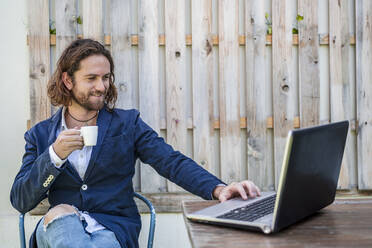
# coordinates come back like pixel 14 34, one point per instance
pixel 345 223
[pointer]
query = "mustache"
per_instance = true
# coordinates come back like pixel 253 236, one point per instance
pixel 98 93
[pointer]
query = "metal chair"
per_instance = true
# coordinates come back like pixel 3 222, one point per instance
pixel 144 199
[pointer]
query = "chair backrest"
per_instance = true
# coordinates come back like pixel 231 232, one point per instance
pixel 150 239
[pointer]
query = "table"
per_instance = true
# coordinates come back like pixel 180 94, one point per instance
pixel 345 223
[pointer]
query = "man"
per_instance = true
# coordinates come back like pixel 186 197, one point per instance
pixel 90 188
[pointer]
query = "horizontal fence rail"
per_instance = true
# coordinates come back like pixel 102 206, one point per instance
pixel 323 40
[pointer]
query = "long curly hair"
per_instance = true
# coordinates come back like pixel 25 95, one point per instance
pixel 69 62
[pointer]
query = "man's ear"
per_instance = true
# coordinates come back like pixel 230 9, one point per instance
pixel 67 81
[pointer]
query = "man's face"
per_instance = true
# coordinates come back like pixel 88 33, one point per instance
pixel 91 82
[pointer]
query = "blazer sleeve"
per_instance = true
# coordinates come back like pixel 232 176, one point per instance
pixel 35 177
pixel 171 164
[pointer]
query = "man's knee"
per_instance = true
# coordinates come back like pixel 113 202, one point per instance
pixel 58 211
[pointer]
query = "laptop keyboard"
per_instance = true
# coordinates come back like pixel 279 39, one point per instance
pixel 253 211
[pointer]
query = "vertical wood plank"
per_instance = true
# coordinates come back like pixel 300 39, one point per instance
pixel 175 76
pixel 283 82
pixel 259 168
pixel 340 82
pixel 121 21
pixel 121 51
pixel 92 20
pixel 202 82
pixel 229 90
pixel 309 78
pixel 65 24
pixel 364 93
pixel 66 15
pixel 149 84
pixel 39 59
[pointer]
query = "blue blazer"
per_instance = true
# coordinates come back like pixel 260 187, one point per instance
pixel 122 138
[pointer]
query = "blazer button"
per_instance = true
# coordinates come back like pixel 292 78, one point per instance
pixel 84 187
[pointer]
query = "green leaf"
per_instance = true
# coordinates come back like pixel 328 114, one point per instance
pixel 299 18
pixel 269 30
pixel 79 20
pixel 266 15
pixel 52 31
pixel 294 31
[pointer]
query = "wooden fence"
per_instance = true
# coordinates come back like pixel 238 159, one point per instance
pixel 224 81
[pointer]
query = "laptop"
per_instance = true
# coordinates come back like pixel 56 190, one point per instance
pixel 307 183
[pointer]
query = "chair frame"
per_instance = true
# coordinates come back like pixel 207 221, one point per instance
pixel 142 198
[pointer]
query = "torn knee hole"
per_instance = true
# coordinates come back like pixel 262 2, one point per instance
pixel 58 212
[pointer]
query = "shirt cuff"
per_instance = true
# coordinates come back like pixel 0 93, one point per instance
pixel 55 159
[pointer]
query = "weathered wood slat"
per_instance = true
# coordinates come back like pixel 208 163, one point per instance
pixel 39 60
pixel 340 81
pixel 175 77
pixel 92 20
pixel 65 26
pixel 229 91
pixel 162 202
pixel 166 202
pixel 364 92
pixel 284 94
pixel 122 53
pixel 323 39
pixel 149 84
pixel 259 168
pixel 243 123
pixel 202 83
pixel 309 80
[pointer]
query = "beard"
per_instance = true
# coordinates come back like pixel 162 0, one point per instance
pixel 84 100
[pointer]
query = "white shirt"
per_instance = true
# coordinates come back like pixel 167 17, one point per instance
pixel 80 160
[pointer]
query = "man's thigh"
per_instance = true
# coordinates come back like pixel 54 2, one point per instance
pixel 69 231
pixel 105 238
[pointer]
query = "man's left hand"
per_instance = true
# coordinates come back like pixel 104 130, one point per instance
pixel 243 189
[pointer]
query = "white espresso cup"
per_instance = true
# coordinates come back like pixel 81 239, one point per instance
pixel 89 134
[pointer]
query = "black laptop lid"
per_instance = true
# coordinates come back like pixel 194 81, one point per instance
pixel 312 172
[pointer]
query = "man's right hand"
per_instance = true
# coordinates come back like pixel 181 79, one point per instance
pixel 67 142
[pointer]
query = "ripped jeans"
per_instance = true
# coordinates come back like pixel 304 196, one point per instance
pixel 68 231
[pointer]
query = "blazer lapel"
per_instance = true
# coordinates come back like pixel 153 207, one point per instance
pixel 55 123
pixel 103 123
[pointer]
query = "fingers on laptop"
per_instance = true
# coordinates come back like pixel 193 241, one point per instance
pixel 251 188
pixel 242 189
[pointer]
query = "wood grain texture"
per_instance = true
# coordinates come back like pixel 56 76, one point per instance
pixel 284 93
pixel 229 91
pixel 342 224
pixel 149 84
pixel 175 77
pixel 259 168
pixel 308 50
pixel 323 39
pixel 92 20
pixel 39 58
pixel 364 92
pixel 340 81
pixel 162 202
pixel 202 83
pixel 66 14
pixel 121 21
